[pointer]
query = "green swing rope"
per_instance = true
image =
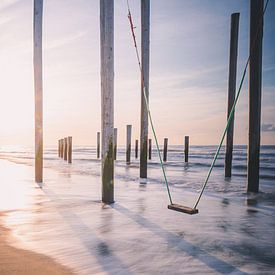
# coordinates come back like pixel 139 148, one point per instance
pixel 229 117
pixel 231 112
pixel 147 103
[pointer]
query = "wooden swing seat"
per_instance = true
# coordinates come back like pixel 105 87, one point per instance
pixel 184 209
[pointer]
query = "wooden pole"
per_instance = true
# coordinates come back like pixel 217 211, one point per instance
pixel 255 93
pixel 115 143
pixel 98 145
pixel 136 149
pixel 70 149
pixel 61 148
pixel 128 144
pixel 65 148
pixel 165 149
pixel 231 90
pixel 38 88
pixel 145 57
pixel 186 148
pixel 150 148
pixel 107 98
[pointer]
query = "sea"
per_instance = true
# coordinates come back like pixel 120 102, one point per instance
pixel 234 232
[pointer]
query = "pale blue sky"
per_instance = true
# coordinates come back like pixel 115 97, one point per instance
pixel 189 70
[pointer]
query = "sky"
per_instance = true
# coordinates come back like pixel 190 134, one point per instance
pixel 189 45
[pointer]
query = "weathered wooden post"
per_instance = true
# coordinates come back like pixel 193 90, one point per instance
pixel 59 147
pixel 150 148
pixel 62 148
pixel 70 149
pixel 145 57
pixel 115 143
pixel 186 148
pixel 65 148
pixel 98 145
pixel 255 93
pixel 165 149
pixel 128 144
pixel 107 98
pixel 136 149
pixel 231 90
pixel 38 88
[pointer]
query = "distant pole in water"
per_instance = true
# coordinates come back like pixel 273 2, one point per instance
pixel 255 93
pixel 38 87
pixel 115 143
pixel 128 144
pixel 231 90
pixel 186 148
pixel 150 148
pixel 61 148
pixel 145 57
pixel 107 98
pixel 98 145
pixel 65 148
pixel 70 149
pixel 165 149
pixel 136 149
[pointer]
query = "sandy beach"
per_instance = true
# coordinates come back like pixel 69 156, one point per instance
pixel 21 261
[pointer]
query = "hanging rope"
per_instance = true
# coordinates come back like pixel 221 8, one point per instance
pixel 232 110
pixel 146 101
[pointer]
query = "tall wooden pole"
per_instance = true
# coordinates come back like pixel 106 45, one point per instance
pixel 38 87
pixel 128 144
pixel 255 93
pixel 115 143
pixel 107 98
pixel 62 148
pixel 98 145
pixel 186 148
pixel 59 148
pixel 231 90
pixel 145 57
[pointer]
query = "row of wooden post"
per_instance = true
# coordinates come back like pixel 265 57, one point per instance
pixel 128 146
pixel 65 148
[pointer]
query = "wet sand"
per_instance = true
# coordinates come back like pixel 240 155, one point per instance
pixel 20 261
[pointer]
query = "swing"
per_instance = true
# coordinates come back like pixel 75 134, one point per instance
pixel 173 206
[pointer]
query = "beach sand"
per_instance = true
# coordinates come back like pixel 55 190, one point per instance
pixel 20 261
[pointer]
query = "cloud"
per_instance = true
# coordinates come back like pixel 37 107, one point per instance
pixel 268 127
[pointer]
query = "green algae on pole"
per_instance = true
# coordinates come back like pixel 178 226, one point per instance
pixel 186 148
pixel 128 144
pixel 38 88
pixel 255 94
pixel 145 57
pixel 231 90
pixel 107 98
